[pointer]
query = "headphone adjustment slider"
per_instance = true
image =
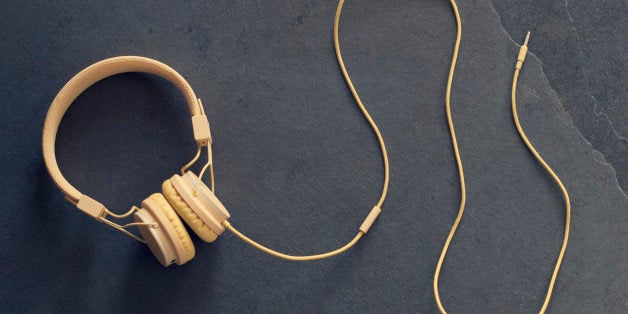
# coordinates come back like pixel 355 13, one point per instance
pixel 200 125
pixel 202 135
pixel 91 207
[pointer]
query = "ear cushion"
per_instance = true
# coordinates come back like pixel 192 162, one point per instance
pixel 176 223
pixel 189 216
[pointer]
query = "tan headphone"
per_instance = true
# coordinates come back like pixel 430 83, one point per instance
pixel 184 194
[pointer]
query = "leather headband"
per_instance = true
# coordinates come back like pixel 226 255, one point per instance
pixel 89 76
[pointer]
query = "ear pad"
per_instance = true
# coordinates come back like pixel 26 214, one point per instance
pixel 176 223
pixel 169 241
pixel 202 211
pixel 189 216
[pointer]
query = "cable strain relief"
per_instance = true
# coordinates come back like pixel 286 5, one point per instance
pixel 225 224
pixel 370 219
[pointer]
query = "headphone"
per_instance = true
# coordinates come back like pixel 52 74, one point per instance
pixel 183 196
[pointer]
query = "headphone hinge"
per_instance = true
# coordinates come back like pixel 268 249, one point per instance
pixel 91 207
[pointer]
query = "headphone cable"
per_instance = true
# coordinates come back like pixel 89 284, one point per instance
pixel 463 195
pixel 376 210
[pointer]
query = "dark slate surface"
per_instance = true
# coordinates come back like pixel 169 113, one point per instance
pixel 298 166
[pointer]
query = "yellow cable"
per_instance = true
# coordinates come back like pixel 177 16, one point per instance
pixel 463 189
pixel 359 102
pixel 384 156
pixel 520 60
pixel 189 164
pixel 550 288
pixel 291 257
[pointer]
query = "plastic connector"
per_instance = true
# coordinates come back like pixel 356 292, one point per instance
pixel 202 135
pixel 200 125
pixel 368 222
pixel 91 207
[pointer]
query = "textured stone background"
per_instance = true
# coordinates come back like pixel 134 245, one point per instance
pixel 299 168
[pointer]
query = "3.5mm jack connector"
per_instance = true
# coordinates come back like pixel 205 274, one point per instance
pixel 522 53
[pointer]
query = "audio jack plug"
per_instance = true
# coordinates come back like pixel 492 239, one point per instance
pixel 523 51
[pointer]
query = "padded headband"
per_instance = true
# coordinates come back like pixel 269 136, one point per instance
pixel 96 72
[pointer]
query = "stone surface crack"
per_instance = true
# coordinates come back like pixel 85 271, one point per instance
pixel 563 114
pixel 596 108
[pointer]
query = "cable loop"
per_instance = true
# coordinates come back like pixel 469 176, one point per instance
pixel 189 164
pixel 127 214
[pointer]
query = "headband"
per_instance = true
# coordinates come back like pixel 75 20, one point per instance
pixel 89 76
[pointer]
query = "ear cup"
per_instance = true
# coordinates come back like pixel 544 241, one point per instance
pixel 177 225
pixel 157 239
pixel 189 216
pixel 163 232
